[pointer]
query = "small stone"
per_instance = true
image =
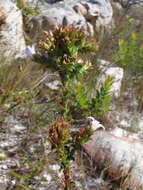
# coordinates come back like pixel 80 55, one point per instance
pixel 55 167
pixel 47 177
pixel 2 155
pixel 5 167
pixel 54 85
pixel 15 126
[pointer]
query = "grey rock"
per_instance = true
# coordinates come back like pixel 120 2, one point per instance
pixel 126 111
pixel 120 156
pixel 130 3
pixel 53 85
pixel 119 132
pixel 135 8
pixel 15 126
pixel 116 73
pixel 53 17
pixel 118 7
pixel 90 15
pixel 10 141
pixel 136 11
pixel 11 33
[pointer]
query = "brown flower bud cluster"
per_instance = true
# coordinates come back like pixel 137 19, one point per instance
pixel 59 133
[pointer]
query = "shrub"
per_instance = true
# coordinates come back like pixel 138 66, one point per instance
pixel 65 45
pixel 76 100
pixel 100 104
pixel 65 145
pixel 130 55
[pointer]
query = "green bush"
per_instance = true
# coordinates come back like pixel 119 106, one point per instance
pixel 100 104
pixel 76 100
pixel 130 55
pixel 65 45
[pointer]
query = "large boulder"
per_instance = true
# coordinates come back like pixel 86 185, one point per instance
pixel 121 158
pixel 136 11
pixel 89 15
pixel 116 73
pixel 134 7
pixel 11 30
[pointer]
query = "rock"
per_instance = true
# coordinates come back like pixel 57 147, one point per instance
pixel 11 32
pixel 89 15
pixel 130 3
pixel 55 167
pixel 136 11
pixel 134 7
pixel 103 10
pixel 118 7
pixel 53 17
pixel 119 132
pixel 121 117
pixel 10 141
pixel 53 85
pixel 122 157
pixel 116 73
pixel 15 126
pixel 80 9
pixel 47 177
pixel 127 111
